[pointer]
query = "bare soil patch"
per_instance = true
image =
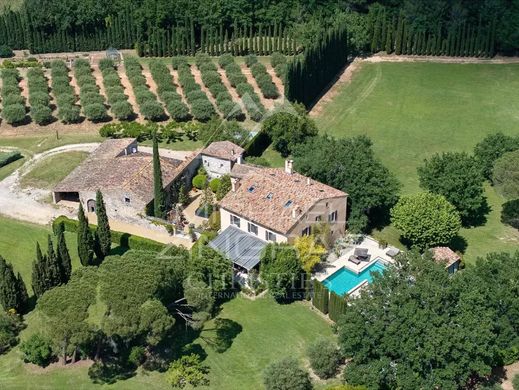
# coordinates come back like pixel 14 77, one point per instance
pixel 128 90
pixel 232 91
pixel 34 369
pixel 180 91
pixel 24 85
pixel 276 80
pixel 98 76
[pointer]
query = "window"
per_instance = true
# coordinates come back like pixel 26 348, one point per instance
pixel 306 231
pixel 253 229
pixel 235 220
pixel 332 217
pixel 251 188
pixel 127 200
pixel 269 236
pixel 288 204
pixel 270 195
pixel 318 218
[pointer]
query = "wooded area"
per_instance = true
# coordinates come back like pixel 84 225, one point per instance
pixel 161 27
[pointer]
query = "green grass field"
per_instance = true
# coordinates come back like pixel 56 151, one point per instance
pixel 413 110
pixel 18 245
pixel 50 171
pixel 266 332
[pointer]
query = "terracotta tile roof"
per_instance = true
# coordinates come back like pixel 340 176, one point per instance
pixel 270 197
pixel 445 255
pixel 109 169
pixel 239 171
pixel 223 149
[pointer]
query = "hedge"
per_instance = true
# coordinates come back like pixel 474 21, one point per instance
pixel 277 59
pixel 152 110
pixel 38 98
pixel 6 51
pixel 250 60
pixel 336 306
pixel 199 181
pixel 8 158
pixel 320 297
pixel 178 110
pixel 122 110
pixel 225 59
pixel 125 240
pixel 119 105
pixel 202 109
pixel 177 62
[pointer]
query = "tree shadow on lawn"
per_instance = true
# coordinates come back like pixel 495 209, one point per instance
pixel 479 217
pixel 222 335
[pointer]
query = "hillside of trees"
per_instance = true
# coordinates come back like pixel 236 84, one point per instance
pixel 163 27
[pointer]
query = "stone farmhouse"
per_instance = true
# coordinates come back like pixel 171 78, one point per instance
pixel 219 158
pixel 125 176
pixel 274 205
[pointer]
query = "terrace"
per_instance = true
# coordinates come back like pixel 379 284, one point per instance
pixel 360 259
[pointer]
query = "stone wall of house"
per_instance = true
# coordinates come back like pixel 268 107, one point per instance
pixel 225 216
pixel 116 204
pixel 321 212
pixel 216 167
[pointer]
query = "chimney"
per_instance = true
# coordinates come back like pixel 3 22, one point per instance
pixel 240 159
pixel 295 212
pixel 235 184
pixel 289 166
pixel 308 181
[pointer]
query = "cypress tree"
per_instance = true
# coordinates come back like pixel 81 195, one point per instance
pixel 103 227
pixel 389 38
pixel 159 201
pixel 38 277
pixel 84 239
pixel 376 32
pixel 12 294
pixel 53 265
pixel 63 253
pixel 399 33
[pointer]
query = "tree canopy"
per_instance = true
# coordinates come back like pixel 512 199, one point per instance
pixel 350 165
pixel 450 333
pixel 505 175
pixel 456 176
pixel 286 374
pixel 490 148
pixel 426 219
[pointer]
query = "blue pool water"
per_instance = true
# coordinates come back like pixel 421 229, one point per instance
pixel 344 280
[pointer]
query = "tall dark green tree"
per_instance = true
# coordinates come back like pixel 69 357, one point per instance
pixel 38 276
pixel 159 201
pixel 103 234
pixel 13 294
pixel 85 244
pixel 63 253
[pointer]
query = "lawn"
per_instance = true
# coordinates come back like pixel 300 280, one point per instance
pixel 264 332
pixel 49 141
pixel 50 171
pixel 18 245
pixel 413 110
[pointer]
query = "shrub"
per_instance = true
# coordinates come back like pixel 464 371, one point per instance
pixel 152 110
pixel 91 98
pixel 118 97
pixel 106 63
pixel 178 110
pixel 515 382
pixel 39 98
pixel 202 58
pixel 13 99
pixel 215 221
pixel 95 112
pixel 208 67
pixel 69 113
pixel 505 175
pixel 13 113
pixel 244 89
pixel 196 95
pixel 65 99
pixel 111 80
pixel 37 349
pixel 510 213
pixel 6 51
pixel 214 185
pixel 200 181
pixel 225 59
pixel 250 60
pixel 168 96
pixel 122 110
pixel 286 375
pixel 236 79
pixel 188 370
pixel 10 326
pixel 137 356
pixel 324 358
pixel 202 109
pixel 40 114
pixel 8 158
pixel 231 110
pixel 257 69
pixel 177 62
pixel 277 59
pixel 10 89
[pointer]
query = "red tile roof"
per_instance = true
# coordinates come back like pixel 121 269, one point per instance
pixel 269 197
pixel 225 150
pixel 445 255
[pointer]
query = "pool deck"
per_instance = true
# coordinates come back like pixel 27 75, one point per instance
pixel 374 251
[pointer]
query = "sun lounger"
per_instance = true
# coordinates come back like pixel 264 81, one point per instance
pixel 354 260
pixel 361 253
pixel 392 252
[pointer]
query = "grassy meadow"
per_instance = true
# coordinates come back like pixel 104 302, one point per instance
pixel 413 110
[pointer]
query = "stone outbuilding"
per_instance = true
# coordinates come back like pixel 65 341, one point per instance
pixel 220 157
pixel 445 255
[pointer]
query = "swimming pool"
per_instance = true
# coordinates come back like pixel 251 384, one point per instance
pixel 344 280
